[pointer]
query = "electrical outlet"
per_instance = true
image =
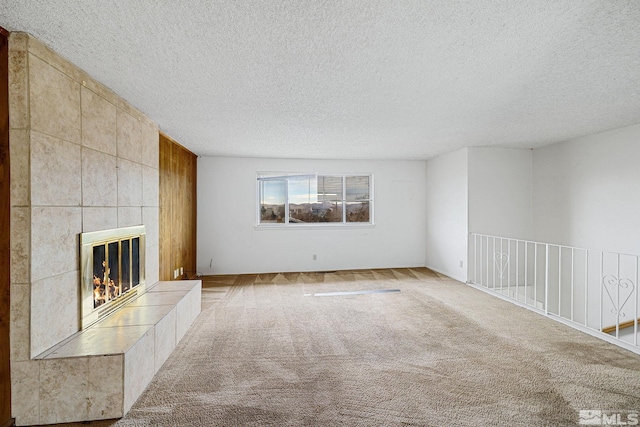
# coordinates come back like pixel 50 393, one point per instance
pixel 461 264
pixel 315 257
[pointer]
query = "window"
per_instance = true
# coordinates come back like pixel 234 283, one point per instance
pixel 314 199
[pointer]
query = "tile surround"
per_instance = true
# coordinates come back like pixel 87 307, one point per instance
pixel 129 216
pixel 64 129
pixel 54 101
pixel 165 338
pixel 20 322
pixel 128 137
pixel 153 264
pixel 104 387
pixel 25 391
pixel 98 123
pixel 95 219
pixel 54 241
pixel 51 325
pixel 135 316
pixel 61 380
pixel 100 340
pixel 20 169
pixel 18 90
pixel 99 178
pixel 150 190
pixel 129 183
pixel 20 232
pixel 55 171
pixel 150 219
pixel 139 368
pixel 150 145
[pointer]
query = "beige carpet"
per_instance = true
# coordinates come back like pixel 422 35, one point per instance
pixel 438 353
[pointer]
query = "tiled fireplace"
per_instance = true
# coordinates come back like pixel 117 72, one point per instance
pixel 83 160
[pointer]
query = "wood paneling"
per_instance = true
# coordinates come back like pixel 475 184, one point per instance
pixel 5 232
pixel 178 176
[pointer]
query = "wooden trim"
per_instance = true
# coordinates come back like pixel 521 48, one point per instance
pixel 623 325
pixel 5 234
pixel 178 209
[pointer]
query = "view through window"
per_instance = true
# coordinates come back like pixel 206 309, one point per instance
pixel 315 199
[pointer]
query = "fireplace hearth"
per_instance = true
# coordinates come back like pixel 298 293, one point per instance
pixel 113 270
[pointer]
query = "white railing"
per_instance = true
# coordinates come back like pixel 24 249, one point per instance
pixel 593 291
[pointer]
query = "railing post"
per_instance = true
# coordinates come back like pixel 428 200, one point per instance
pixel 517 268
pixel 535 274
pixel 509 266
pixel 618 296
pixel 546 280
pixel 560 281
pixel 572 274
pixel 601 285
pixel 635 317
pixel 493 259
pixel 487 286
pixel 586 288
pixel 475 257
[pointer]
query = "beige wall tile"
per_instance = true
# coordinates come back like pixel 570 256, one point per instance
pixel 20 232
pixel 51 324
pixel 152 264
pixel 150 219
pixel 150 186
pixel 104 387
pixel 19 151
pixel 55 171
pixel 129 183
pixel 54 241
pixel 138 372
pixel 150 145
pixel 19 321
pixel 82 388
pixel 187 310
pixel 38 49
pixel 63 385
pixel 128 137
pixel 99 179
pixel 54 101
pixel 25 392
pixel 98 123
pixel 96 219
pixel 129 216
pixel 165 338
pixel 18 41
pixel 47 55
pixel 18 90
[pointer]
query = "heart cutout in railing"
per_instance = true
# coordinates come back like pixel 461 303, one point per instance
pixel 619 292
pixel 501 261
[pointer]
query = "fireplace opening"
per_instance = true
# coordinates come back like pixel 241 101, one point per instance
pixel 112 270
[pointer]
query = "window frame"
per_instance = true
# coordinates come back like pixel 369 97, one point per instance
pixel 288 225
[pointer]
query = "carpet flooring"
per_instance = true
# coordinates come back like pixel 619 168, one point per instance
pixel 266 352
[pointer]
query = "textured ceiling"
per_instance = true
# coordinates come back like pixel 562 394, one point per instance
pixel 355 79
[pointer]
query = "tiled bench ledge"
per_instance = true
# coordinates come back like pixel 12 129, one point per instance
pixel 101 371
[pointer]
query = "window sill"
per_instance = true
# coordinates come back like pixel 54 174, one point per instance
pixel 266 227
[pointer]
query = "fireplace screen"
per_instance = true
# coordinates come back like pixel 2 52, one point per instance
pixel 112 270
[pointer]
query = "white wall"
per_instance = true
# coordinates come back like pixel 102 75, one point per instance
pixel 587 192
pixel 230 243
pixel 500 186
pixel 446 214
